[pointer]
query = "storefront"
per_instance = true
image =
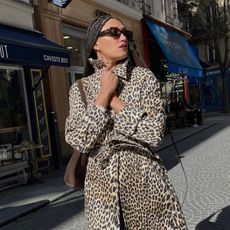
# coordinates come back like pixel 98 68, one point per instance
pixel 212 90
pixel 173 61
pixel 25 57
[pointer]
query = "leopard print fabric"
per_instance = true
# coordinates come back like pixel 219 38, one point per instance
pixel 123 175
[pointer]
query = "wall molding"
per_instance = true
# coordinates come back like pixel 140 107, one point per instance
pixel 20 5
pixel 121 8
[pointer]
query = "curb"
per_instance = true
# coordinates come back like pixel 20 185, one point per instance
pixel 63 194
pixel 37 207
pixel 216 114
pixel 23 213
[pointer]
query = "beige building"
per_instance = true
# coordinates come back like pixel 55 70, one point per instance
pixel 67 27
pixel 163 10
pixel 17 13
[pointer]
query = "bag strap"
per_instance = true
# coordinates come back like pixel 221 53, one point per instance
pixel 82 91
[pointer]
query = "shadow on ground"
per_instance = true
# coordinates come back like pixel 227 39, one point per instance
pixel 52 216
pixel 217 221
pixel 169 154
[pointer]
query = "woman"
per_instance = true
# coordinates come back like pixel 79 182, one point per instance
pixel 126 185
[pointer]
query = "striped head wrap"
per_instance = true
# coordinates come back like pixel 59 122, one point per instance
pixel 93 31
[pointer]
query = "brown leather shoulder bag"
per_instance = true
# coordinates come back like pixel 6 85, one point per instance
pixel 75 172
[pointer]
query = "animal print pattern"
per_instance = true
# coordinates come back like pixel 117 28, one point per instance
pixel 123 174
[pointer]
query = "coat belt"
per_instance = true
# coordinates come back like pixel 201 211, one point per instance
pixel 109 150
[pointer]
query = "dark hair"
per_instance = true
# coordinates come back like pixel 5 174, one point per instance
pixel 89 70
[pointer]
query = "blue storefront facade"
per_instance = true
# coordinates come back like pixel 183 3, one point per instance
pixel 204 82
pixel 180 56
pixel 211 86
pixel 177 66
pixel 183 68
pixel 25 58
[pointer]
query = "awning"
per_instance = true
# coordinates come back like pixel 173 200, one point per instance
pixel 176 49
pixel 30 48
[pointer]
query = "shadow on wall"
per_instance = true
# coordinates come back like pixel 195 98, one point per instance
pixel 217 221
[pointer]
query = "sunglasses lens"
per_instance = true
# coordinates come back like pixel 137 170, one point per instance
pixel 115 32
pixel 128 34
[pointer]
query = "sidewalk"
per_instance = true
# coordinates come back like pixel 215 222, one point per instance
pixel 21 200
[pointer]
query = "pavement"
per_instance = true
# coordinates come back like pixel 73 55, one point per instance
pixel 24 199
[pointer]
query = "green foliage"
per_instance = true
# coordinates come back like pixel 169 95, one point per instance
pixel 205 18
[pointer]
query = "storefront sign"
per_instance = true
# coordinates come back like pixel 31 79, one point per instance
pixel 41 115
pixel 60 3
pixel 3 51
pixel 30 48
pixel 32 55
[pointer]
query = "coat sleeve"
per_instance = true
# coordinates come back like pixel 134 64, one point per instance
pixel 83 126
pixel 147 122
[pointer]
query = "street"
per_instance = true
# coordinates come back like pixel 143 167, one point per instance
pixel 206 159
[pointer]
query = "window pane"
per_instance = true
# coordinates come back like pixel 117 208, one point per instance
pixel 13 117
pixel 77 47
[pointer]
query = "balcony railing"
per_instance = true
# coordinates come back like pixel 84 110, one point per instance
pixel 139 5
pixel 146 9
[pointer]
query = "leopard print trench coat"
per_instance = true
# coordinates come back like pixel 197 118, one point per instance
pixel 123 175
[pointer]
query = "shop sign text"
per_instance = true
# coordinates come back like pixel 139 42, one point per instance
pixel 3 51
pixel 55 59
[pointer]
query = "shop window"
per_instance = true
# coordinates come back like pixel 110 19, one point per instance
pixel 168 7
pixel 13 113
pixel 75 41
pixel 210 15
pixel 77 49
pixel 211 53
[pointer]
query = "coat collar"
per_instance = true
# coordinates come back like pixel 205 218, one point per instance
pixel 120 69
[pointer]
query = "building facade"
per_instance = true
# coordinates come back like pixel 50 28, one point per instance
pixel 163 10
pixel 41 71
pixel 14 112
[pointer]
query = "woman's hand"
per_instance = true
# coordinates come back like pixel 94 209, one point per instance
pixel 108 85
pixel 116 103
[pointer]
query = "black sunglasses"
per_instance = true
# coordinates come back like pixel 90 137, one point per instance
pixel 116 33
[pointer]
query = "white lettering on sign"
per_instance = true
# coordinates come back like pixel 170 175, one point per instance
pixel 55 59
pixel 3 51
